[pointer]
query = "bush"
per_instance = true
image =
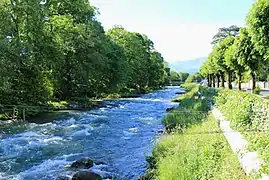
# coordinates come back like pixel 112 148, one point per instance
pixel 257 90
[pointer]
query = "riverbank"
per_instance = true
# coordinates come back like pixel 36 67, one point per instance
pixel 195 148
pixel 57 109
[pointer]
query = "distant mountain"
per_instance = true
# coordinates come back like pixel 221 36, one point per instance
pixel 189 66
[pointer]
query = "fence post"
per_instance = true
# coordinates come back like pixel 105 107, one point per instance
pixel 13 114
pixel 23 114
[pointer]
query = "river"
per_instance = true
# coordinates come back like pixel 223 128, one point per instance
pixel 121 135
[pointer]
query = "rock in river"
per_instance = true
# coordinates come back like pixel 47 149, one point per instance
pixel 85 175
pixel 170 109
pixel 181 92
pixel 83 163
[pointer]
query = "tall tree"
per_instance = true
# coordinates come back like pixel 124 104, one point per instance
pixel 225 32
pixel 231 60
pixel 247 55
pixel 219 57
pixel 257 20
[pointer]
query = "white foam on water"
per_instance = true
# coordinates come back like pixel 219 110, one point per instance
pixel 127 133
pixel 17 144
pixel 46 170
pixel 81 133
pixel 4 176
pixel 133 130
pixel 146 118
pixel 73 126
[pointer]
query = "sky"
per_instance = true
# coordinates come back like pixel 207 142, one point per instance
pixel 180 29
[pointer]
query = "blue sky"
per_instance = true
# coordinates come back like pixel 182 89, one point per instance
pixel 180 29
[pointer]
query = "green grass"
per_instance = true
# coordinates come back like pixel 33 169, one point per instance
pixel 201 152
pixel 196 148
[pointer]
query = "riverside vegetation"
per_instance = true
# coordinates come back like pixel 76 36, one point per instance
pixel 55 51
pixel 196 148
pixel 249 114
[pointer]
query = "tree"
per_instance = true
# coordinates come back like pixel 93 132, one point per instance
pixel 215 70
pixel 225 32
pixel 247 55
pixel 207 70
pixel 57 50
pixel 197 78
pixel 174 76
pixel 156 70
pixel 145 64
pixel 232 62
pixel 257 20
pixel 219 57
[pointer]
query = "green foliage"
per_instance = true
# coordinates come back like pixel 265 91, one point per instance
pixel 183 76
pixel 246 53
pixel 57 50
pixel 257 22
pixel 145 65
pixel 231 58
pixel 219 52
pixel 194 78
pixel 257 90
pixel 174 76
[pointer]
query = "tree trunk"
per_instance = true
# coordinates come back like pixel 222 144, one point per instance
pixel 213 81
pixel 222 80
pixel 253 81
pixel 209 81
pixel 239 82
pixel 229 80
pixel 218 80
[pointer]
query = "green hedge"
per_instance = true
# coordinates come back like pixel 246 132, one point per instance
pixel 249 114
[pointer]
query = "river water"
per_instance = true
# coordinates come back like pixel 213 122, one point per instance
pixel 121 135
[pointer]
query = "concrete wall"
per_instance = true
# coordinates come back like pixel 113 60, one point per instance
pixel 248 85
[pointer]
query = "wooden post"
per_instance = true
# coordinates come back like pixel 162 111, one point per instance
pixel 23 114
pixel 13 113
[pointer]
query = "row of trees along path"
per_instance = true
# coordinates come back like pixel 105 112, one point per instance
pixel 238 51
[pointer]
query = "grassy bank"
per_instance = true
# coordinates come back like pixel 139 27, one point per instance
pixel 196 148
pixel 249 114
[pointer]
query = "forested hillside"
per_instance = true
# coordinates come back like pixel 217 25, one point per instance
pixel 58 50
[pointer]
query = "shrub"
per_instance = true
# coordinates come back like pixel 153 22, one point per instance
pixel 249 114
pixel 257 90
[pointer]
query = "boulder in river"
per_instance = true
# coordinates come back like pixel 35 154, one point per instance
pixel 86 175
pixel 160 131
pixel 170 109
pixel 83 163
pixel 181 92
